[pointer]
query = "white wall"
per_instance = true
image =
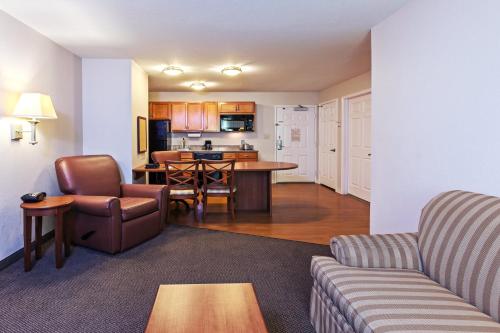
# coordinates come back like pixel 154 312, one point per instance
pixel 30 62
pixel 115 92
pixel 435 72
pixel 263 137
pixel 139 86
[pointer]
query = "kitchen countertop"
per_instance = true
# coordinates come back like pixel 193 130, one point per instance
pixel 215 149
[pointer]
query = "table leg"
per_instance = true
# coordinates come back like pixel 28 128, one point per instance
pixel 59 239
pixel 67 238
pixel 270 193
pixel 38 237
pixel 27 242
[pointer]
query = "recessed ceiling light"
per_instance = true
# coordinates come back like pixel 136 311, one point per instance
pixel 198 85
pixel 231 70
pixel 173 71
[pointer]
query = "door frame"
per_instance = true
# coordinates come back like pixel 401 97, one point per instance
pixel 344 137
pixel 339 140
pixel 275 150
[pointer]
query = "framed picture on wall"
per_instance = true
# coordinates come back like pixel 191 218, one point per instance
pixel 142 135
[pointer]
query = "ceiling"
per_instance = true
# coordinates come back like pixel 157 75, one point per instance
pixel 283 45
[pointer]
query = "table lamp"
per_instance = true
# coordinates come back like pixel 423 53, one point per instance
pixel 34 106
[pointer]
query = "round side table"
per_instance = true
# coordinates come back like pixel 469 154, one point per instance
pixel 51 206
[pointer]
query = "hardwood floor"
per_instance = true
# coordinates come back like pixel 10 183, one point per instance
pixel 302 212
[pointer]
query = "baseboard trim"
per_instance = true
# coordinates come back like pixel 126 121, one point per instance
pixel 4 263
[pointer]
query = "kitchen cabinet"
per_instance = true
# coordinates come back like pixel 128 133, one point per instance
pixel 159 110
pixel 186 117
pixel 242 156
pixel 246 107
pixel 194 117
pixel 237 107
pixel 186 156
pixel 178 118
pixel 246 157
pixel 197 117
pixel 210 117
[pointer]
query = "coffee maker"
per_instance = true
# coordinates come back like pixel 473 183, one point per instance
pixel 207 145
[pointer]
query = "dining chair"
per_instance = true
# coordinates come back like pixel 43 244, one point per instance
pixel 182 182
pixel 161 157
pixel 218 181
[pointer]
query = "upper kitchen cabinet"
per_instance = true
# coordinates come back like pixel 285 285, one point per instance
pixel 194 118
pixel 210 117
pixel 159 110
pixel 186 117
pixel 237 107
pixel 179 115
pixel 246 107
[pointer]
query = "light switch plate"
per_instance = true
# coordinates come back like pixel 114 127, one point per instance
pixel 16 131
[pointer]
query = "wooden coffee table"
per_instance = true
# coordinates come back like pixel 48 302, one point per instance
pixel 213 308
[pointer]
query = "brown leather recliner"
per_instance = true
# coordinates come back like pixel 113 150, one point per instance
pixel 107 215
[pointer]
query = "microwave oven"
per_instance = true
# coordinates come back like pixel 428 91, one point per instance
pixel 237 122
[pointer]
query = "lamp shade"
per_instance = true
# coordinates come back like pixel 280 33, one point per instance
pixel 36 106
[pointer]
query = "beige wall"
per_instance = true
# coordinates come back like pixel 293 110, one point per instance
pixel 140 96
pixel 263 137
pixel 357 83
pixel 435 107
pixel 29 62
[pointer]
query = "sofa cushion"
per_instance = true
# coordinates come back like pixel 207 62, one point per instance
pixel 396 300
pixel 132 208
pixel 459 240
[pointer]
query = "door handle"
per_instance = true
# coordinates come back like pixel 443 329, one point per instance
pixel 334 150
pixel 279 143
pixel 370 154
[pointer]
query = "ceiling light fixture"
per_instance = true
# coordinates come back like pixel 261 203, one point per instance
pixel 198 85
pixel 173 71
pixel 231 70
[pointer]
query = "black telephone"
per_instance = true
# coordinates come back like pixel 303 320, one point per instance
pixel 34 197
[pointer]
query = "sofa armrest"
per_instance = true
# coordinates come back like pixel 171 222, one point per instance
pixel 143 191
pixel 378 251
pixel 158 192
pixel 96 205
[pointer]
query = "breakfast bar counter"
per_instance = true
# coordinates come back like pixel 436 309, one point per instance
pixel 253 181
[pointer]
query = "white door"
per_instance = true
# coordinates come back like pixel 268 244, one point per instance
pixel 296 136
pixel 359 109
pixel 328 126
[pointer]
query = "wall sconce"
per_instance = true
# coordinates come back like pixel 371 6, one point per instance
pixel 34 106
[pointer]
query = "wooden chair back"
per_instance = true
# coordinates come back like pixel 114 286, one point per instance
pixel 182 175
pixel 218 174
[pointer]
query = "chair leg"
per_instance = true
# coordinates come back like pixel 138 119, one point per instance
pixel 228 204
pixel 168 210
pixel 233 216
pixel 195 208
pixel 205 205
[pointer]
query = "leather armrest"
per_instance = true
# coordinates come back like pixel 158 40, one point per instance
pixel 95 205
pixel 158 192
pixel 143 191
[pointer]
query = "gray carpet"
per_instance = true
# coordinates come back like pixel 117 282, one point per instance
pixel 96 292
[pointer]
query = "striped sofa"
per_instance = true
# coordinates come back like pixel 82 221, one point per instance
pixel 445 278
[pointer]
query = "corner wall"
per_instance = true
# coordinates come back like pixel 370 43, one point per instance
pixel 347 87
pixel 435 71
pixel 29 62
